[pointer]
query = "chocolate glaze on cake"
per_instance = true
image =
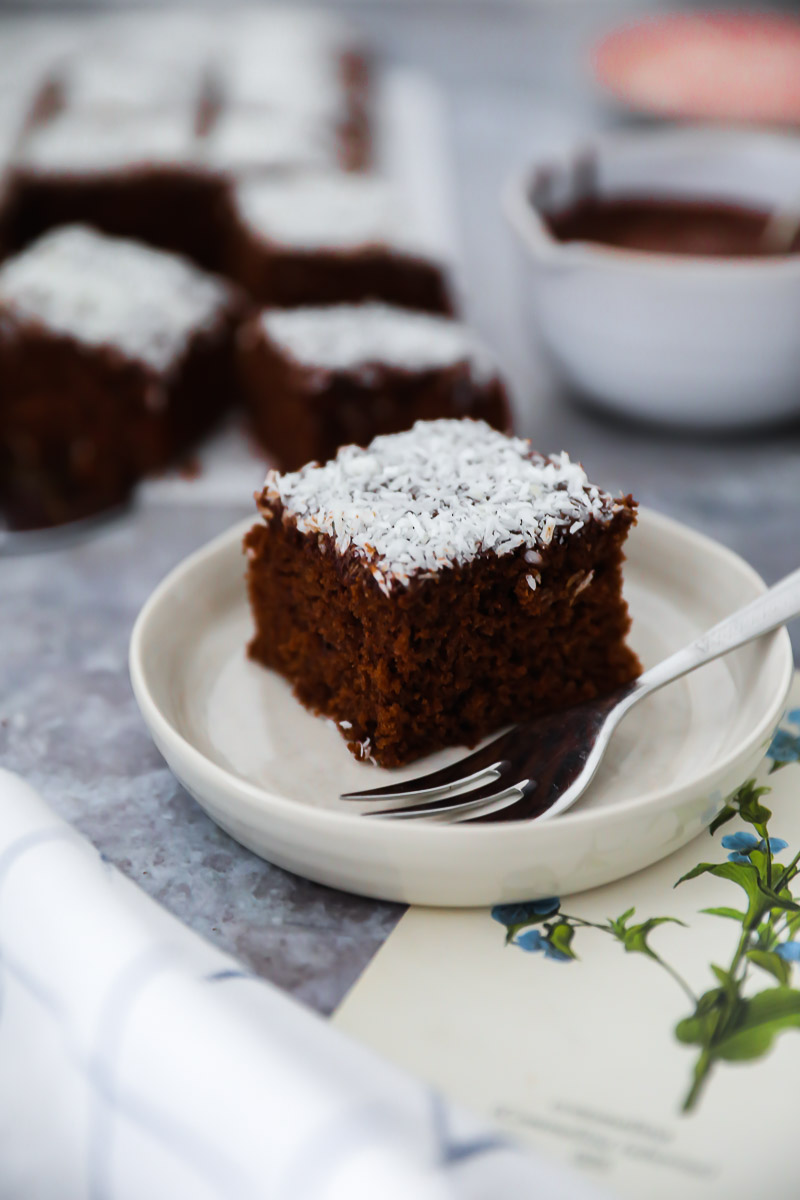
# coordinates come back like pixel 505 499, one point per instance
pixel 438 584
pixel 318 378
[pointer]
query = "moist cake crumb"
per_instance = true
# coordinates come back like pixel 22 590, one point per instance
pixel 393 587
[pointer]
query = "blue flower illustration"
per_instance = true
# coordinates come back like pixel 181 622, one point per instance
pixel 740 841
pixel 531 941
pixel 789 951
pixel 793 716
pixel 742 844
pixel 518 914
pixel 785 746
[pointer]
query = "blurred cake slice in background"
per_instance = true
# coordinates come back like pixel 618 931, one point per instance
pixel 316 379
pixel 132 174
pixel 114 359
pixel 329 238
pixel 305 62
pixel 438 584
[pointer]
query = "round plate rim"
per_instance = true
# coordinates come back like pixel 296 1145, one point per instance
pixel 164 732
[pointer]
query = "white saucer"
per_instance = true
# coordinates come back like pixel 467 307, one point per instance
pixel 270 773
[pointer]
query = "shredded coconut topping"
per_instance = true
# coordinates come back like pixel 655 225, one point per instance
pixel 287 60
pixel 138 76
pixel 84 143
pixel 437 496
pixel 247 140
pixel 327 209
pixel 113 292
pixel 351 336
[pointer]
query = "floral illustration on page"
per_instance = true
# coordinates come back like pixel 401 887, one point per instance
pixel 726 1023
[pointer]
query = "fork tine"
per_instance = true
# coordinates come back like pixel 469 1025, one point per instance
pixel 465 802
pixel 487 761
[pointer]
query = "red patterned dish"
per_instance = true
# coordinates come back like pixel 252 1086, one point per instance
pixel 733 67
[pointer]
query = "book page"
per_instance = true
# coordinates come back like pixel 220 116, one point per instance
pixel 647 1032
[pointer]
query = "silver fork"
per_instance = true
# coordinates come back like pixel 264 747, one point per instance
pixel 540 768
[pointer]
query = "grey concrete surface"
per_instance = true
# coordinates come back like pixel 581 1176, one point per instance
pixel 514 85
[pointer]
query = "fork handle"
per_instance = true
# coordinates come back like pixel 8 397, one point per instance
pixel 777 606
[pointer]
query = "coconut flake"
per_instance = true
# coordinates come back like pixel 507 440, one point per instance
pixel 89 143
pixel 106 291
pixel 351 337
pixel 315 210
pixel 437 496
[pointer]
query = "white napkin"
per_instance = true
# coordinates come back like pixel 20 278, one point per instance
pixel 136 1061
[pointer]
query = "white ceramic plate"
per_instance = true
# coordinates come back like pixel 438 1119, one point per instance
pixel 270 773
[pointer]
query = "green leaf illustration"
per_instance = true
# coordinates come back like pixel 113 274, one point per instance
pixel 777 766
pixel 635 939
pixel 757 1023
pixel 742 874
pixel 765 934
pixel 782 899
pixel 748 801
pixel 750 1026
pixel 771 962
pixel 724 1022
pixel 533 919
pixel 560 938
pixel 700 1027
pixel 735 914
pixel 618 927
pixel 723 816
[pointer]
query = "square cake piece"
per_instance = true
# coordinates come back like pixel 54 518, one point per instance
pixel 330 238
pixel 135 174
pixel 317 378
pixel 114 358
pixel 440 583
pixel 305 64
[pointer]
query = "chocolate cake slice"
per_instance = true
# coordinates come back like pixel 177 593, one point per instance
pixel 306 64
pixel 440 583
pixel 318 378
pixel 114 358
pixel 132 174
pixel 328 238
